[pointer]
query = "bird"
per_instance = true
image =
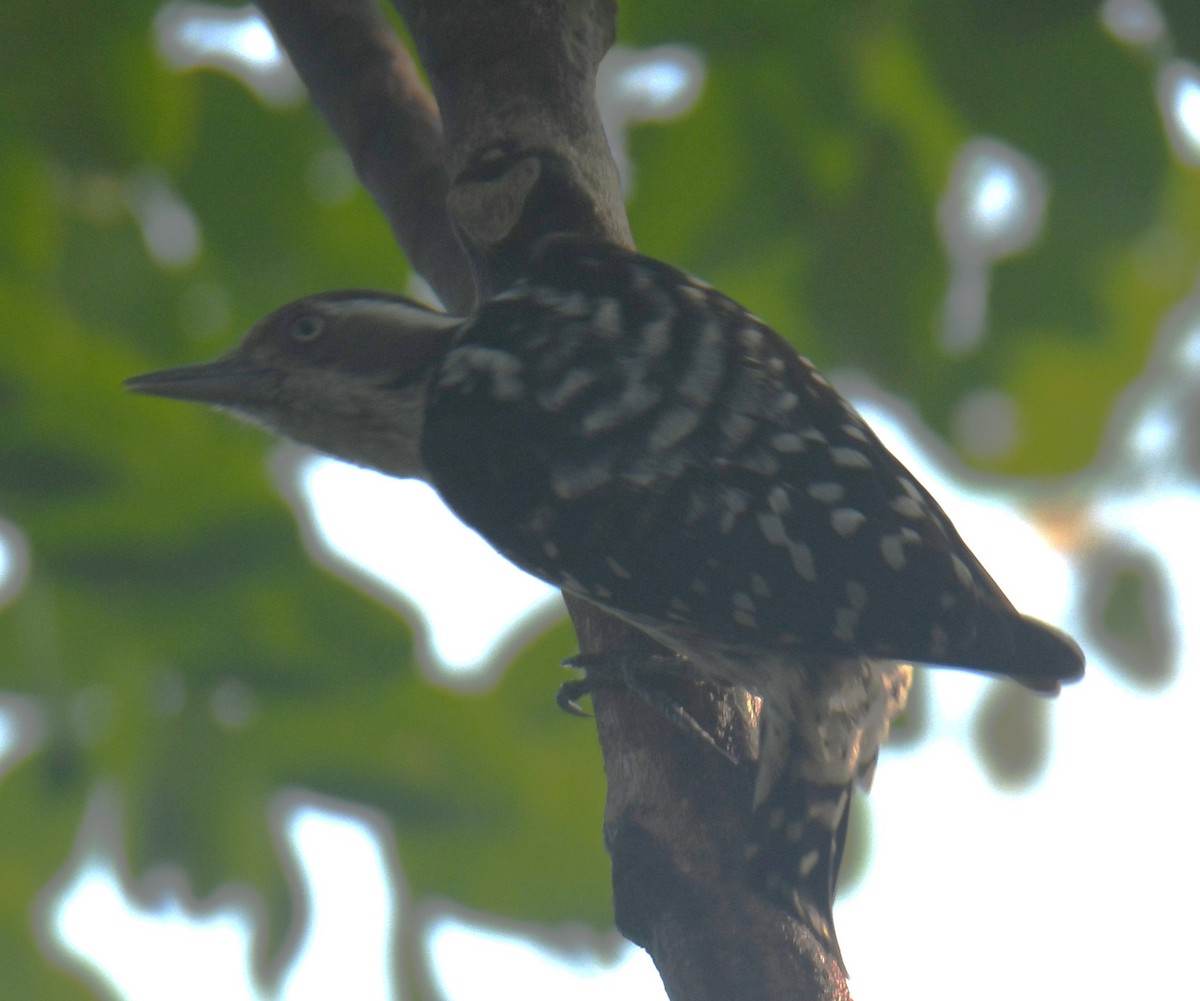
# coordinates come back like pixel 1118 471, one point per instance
pixel 629 434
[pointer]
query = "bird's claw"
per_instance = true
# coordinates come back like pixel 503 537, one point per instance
pixel 570 692
pixel 644 676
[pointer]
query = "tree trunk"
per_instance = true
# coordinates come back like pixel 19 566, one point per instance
pixel 511 149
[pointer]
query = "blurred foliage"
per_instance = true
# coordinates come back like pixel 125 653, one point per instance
pixel 1131 618
pixel 166 570
pixel 1013 724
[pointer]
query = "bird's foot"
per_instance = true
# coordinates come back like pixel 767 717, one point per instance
pixel 647 676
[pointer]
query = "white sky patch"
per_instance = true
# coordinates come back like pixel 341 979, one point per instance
pixel 662 84
pixel 237 41
pixel 8 735
pixel 1148 437
pixel 646 85
pixel 1189 343
pixel 994 206
pixel 400 532
pixel 1153 434
pixel 169 228
pixel 995 202
pixel 504 959
pixel 1001 882
pixel 1135 22
pixel 1114 779
pixel 149 954
pixel 14 561
pixel 352 915
pixel 22 730
pixel 1179 102
pixel 985 423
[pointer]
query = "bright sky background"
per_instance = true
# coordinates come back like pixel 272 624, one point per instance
pixel 1083 886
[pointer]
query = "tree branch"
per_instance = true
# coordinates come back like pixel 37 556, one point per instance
pixel 524 154
pixel 364 82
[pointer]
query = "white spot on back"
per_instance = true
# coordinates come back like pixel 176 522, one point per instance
pixel 558 397
pixel 808 863
pixel 573 305
pixel 802 561
pixel 787 443
pixel 962 571
pixel 786 402
pixel 672 428
pixel 759 585
pixel 606 318
pixel 734 503
pixel 907 507
pixel 849 458
pixel 751 339
pixel 736 428
pixel 656 338
pixel 744 618
pixel 617 569
pixel 892 548
pixel 845 622
pixel 743 601
pixel 778 500
pixel 572 583
pixel 571 482
pixel 504 370
pixel 773 530
pixel 775 533
pixel 644 471
pixel 759 461
pixel 827 493
pixel 705 367
pixel 828 812
pixel 635 400
pixel 846 521
pixel 855 432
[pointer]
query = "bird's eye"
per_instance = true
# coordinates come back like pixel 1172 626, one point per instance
pixel 307 327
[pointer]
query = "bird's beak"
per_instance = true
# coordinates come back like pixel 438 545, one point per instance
pixel 224 382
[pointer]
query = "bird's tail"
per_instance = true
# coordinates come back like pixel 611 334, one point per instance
pixel 1037 655
pixel 797 838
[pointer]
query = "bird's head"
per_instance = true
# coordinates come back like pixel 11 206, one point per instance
pixel 344 372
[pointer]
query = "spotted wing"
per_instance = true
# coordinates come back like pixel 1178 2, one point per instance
pixel 617 428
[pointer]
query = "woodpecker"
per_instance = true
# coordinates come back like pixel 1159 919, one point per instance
pixel 634 437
